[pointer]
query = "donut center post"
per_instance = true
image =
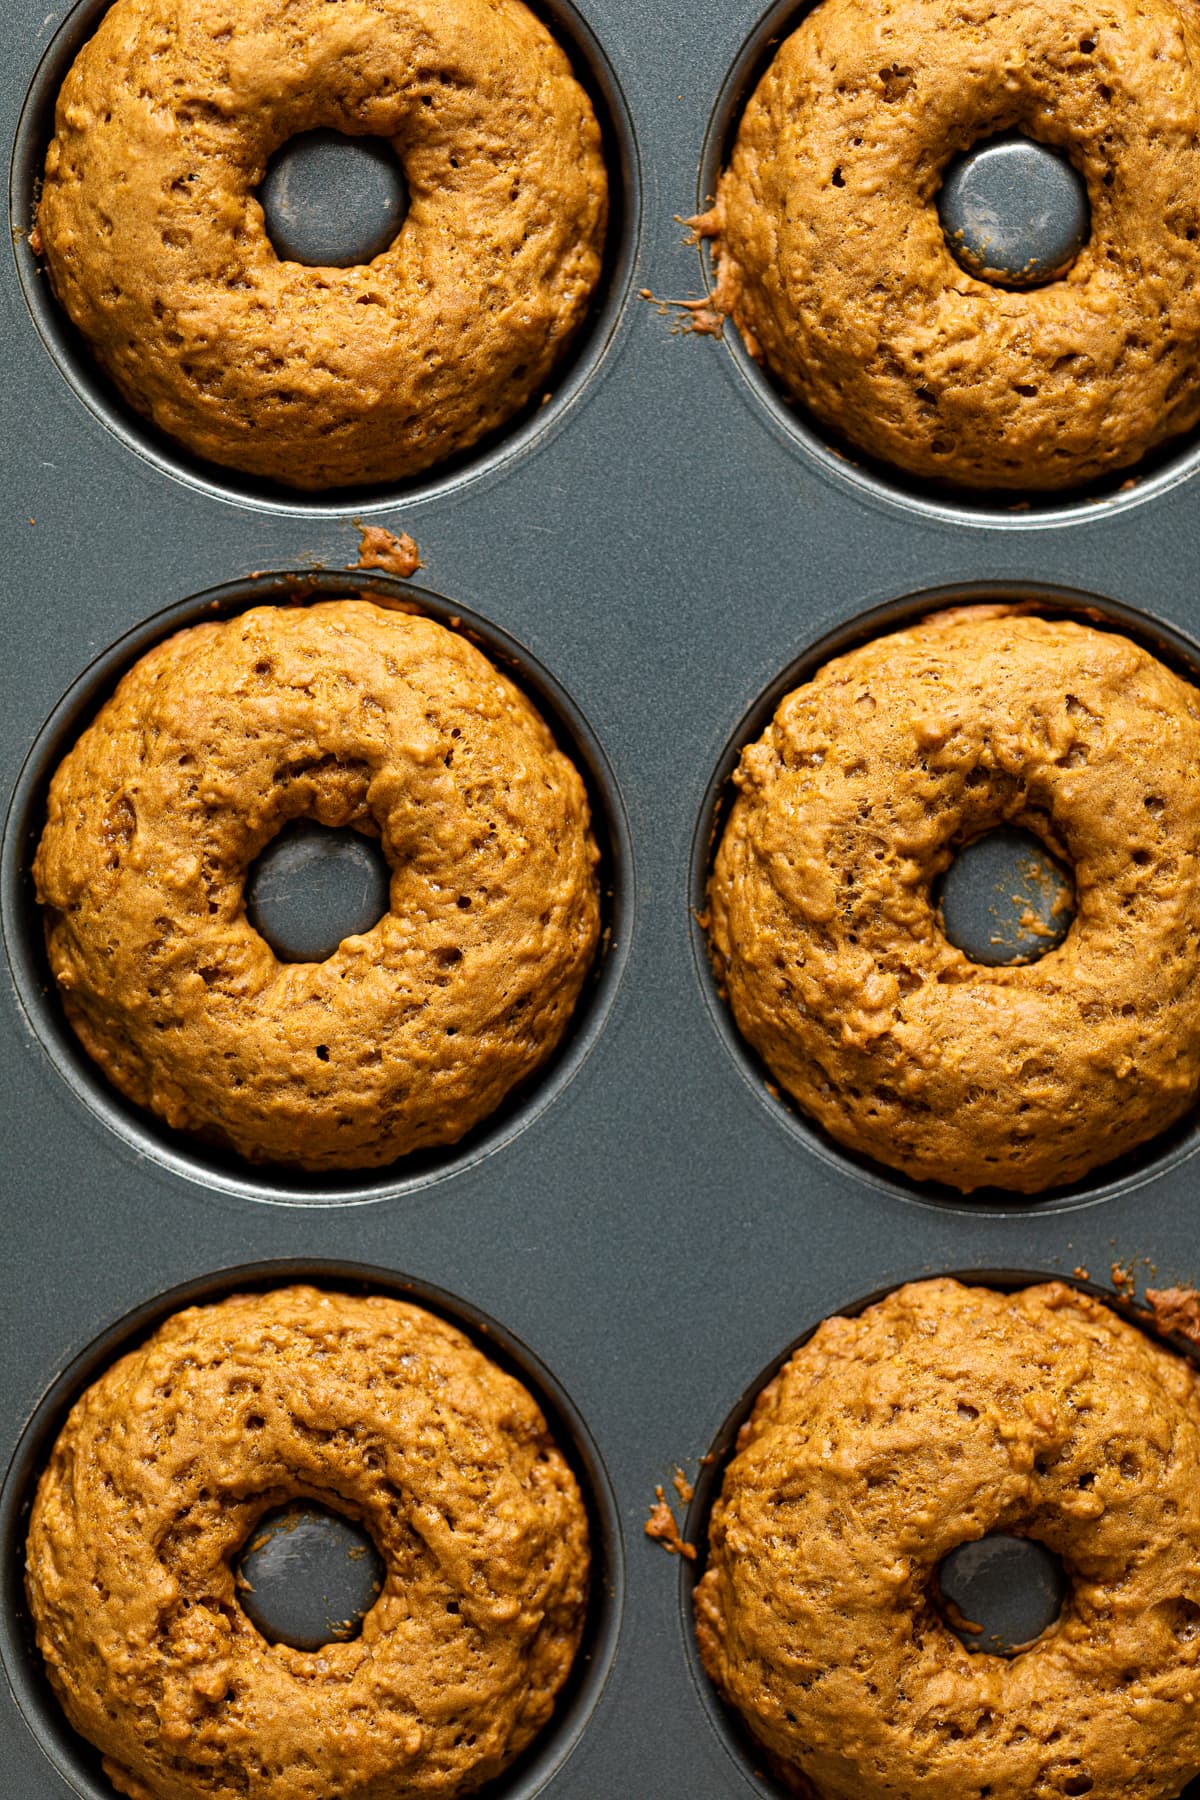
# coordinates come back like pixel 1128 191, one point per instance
pixel 314 885
pixel 332 201
pixel 999 1593
pixel 1014 212
pixel 308 1577
pixel 1004 899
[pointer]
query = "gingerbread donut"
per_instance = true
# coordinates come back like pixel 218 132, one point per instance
pixel 318 377
pixel 824 929
pixel 352 715
pixel 937 1416
pixel 371 1407
pixel 833 261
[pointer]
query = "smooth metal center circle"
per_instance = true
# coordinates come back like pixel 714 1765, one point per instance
pixel 308 1577
pixel 1004 899
pixel 311 887
pixel 1009 1589
pixel 332 201
pixel 1014 212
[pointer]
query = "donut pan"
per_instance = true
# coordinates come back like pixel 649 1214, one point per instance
pixel 658 553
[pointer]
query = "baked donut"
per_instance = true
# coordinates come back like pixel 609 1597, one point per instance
pixel 319 377
pixel 834 265
pixel 352 715
pixel 825 935
pixel 375 1409
pixel 937 1416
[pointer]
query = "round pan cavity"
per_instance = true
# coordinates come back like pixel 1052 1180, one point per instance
pixel 1170 646
pixel 140 1132
pixel 1041 1600
pixel 538 420
pixel 835 458
pixel 74 1760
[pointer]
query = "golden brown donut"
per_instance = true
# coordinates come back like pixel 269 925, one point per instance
pixel 857 797
pixel 369 1406
pixel 833 261
pixel 937 1416
pixel 319 377
pixel 354 715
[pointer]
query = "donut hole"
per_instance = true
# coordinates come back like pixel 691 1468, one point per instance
pixel 1014 213
pixel 1000 1593
pixel 313 886
pixel 1005 899
pixel 331 201
pixel 308 1576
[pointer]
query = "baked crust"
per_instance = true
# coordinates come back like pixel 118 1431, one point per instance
pixel 354 715
pixel 938 1415
pixel 323 377
pixel 371 1406
pixel 824 933
pixel 833 261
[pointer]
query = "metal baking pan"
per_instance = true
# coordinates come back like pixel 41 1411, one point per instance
pixel 658 553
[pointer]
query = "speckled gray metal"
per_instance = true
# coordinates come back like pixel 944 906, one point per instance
pixel 1014 212
pixel 659 551
pixel 1004 1592
pixel 308 1576
pixel 1004 899
pixel 332 201
pixel 311 887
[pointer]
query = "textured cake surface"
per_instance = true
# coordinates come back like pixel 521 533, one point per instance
pixel 316 376
pixel 824 929
pixel 939 1415
pixel 353 715
pixel 379 1410
pixel 833 260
